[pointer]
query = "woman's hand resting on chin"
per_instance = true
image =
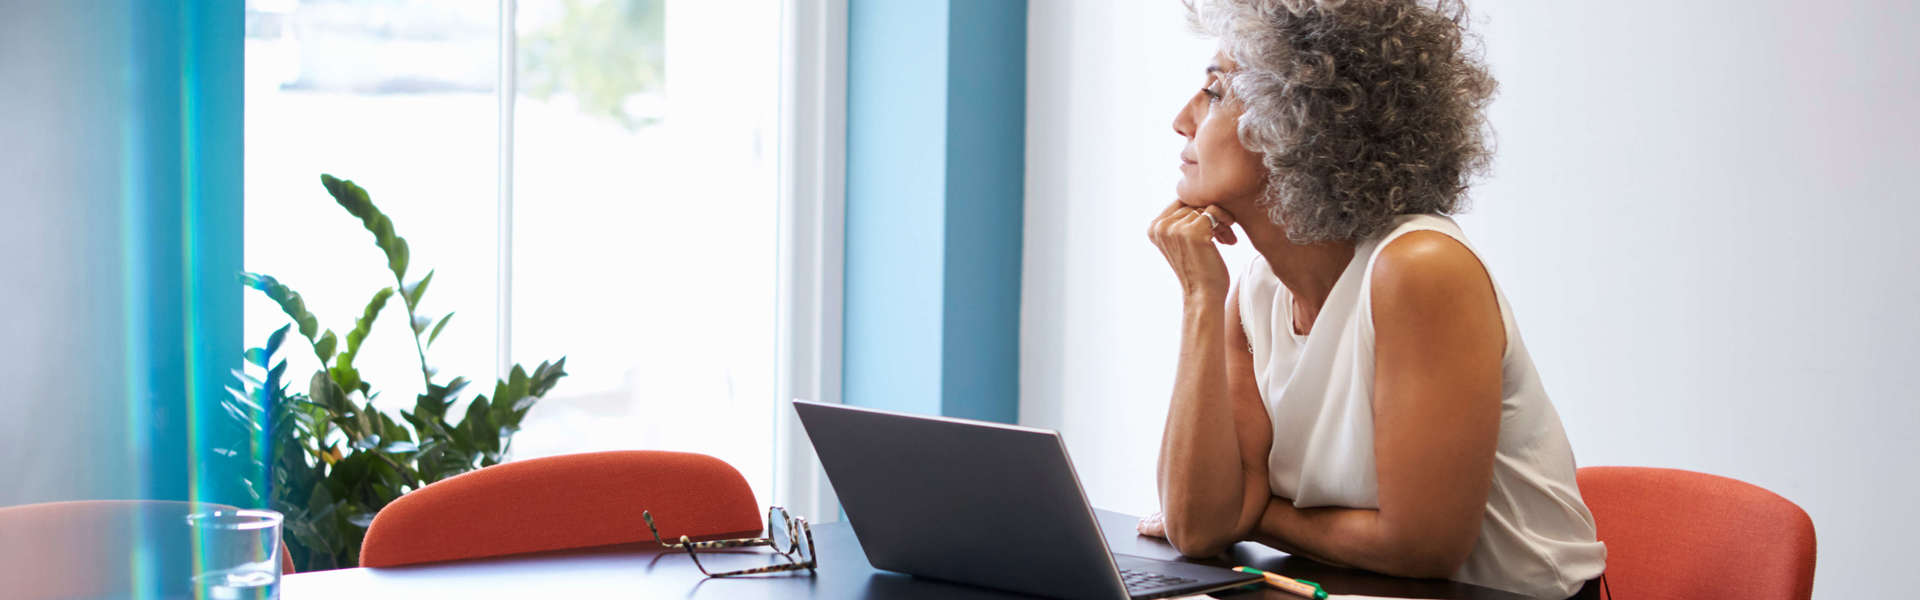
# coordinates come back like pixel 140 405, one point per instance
pixel 1185 236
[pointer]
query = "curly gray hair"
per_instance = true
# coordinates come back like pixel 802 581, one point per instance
pixel 1363 109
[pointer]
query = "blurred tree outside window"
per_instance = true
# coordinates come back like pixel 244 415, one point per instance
pixel 604 54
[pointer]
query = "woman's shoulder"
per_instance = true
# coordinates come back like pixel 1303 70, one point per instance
pixel 1428 265
pixel 1430 284
pixel 1424 251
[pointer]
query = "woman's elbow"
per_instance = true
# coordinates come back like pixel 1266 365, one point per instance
pixel 1433 560
pixel 1199 542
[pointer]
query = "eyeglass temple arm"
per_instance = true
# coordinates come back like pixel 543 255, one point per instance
pixel 759 570
pixel 686 542
pixel 713 544
pixel 791 566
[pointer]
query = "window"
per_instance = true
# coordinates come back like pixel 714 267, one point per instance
pixel 643 167
pixel 644 232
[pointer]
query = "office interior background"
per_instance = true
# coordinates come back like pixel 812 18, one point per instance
pixel 1698 210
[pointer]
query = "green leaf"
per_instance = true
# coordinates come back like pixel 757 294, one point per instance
pixel 476 411
pixel 321 499
pixel 517 381
pixel 324 347
pixel 386 426
pixel 245 401
pixel 273 341
pixel 523 404
pixel 345 376
pixel 327 395
pixel 364 326
pixel 478 425
pixel 350 474
pixel 453 387
pixel 257 357
pixel 418 289
pixel 241 409
pixel 545 376
pixel 355 199
pixel 247 378
pixel 436 329
pixel 289 301
pixel 397 259
pixel 273 377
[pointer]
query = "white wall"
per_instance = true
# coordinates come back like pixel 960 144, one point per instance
pixel 63 423
pixel 1699 212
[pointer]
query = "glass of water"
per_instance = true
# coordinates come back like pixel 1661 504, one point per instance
pixel 236 554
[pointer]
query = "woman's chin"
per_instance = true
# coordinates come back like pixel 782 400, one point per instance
pixel 1181 193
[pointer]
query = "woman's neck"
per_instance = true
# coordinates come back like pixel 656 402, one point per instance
pixel 1308 270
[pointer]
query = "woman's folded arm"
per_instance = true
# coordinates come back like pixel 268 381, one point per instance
pixel 1439 338
pixel 1213 456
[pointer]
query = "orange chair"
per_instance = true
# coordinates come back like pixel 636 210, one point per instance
pixel 563 502
pixel 1681 534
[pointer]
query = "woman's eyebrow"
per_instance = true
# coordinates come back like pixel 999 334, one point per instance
pixel 1211 69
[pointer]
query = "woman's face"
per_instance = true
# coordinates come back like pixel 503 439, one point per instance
pixel 1214 167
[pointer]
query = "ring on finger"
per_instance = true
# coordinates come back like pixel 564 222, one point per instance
pixel 1211 222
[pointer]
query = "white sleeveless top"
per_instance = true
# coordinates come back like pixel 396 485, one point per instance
pixel 1537 537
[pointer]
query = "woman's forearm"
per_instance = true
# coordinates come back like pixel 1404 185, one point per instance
pixel 1353 537
pixel 1200 473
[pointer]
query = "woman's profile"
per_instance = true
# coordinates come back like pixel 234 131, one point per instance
pixel 1360 393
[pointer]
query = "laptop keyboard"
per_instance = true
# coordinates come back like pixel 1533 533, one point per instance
pixel 1138 581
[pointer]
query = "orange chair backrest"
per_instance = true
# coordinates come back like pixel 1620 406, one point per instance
pixel 1681 534
pixel 563 502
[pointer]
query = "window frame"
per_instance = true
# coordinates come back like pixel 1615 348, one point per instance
pixel 813 107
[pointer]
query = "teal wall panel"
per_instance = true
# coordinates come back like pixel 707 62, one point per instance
pixel 936 95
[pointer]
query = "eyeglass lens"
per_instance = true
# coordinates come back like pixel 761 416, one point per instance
pixel 803 542
pixel 780 529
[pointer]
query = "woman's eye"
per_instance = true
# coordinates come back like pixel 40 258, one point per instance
pixel 1212 93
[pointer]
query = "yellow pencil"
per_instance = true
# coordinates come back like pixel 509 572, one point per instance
pixel 1304 588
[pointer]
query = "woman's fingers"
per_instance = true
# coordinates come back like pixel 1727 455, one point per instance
pixel 1220 215
pixel 1162 223
pixel 1196 225
pixel 1155 525
pixel 1186 226
pixel 1219 226
pixel 1178 222
pixel 1222 225
pixel 1185 238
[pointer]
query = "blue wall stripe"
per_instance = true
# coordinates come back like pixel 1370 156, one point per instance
pixel 157 357
pixel 896 159
pixel 181 222
pixel 936 100
pixel 213 98
pixel 986 166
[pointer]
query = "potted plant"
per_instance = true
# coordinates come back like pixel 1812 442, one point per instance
pixel 330 457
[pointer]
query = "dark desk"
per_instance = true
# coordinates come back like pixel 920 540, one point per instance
pixel 637 571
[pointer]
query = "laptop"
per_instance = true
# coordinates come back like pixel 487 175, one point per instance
pixel 984 504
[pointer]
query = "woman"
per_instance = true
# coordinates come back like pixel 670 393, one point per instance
pixel 1362 395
